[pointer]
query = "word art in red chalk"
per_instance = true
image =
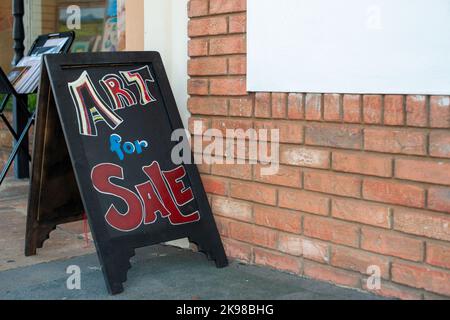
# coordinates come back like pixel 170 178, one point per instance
pixel 164 193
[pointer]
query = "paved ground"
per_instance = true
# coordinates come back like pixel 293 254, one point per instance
pixel 65 242
pixel 159 272
pixel 167 273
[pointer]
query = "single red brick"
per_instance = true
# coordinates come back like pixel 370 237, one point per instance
pixel 207 66
pixel 277 261
pixel 239 152
pixel 286 176
pixel 198 8
pixel 254 192
pixel 238 24
pixel 440 144
pixel 198 47
pixel 204 168
pixel 423 171
pixel 202 123
pixel 304 201
pixel 276 218
pixel 352 108
pixel 419 276
pixel 279 105
pixel 362 163
pixel 237 65
pixel 332 107
pixel 253 234
pixel 305 157
pixel 231 124
pixel 237 250
pixel 392 244
pixel 228 45
pixel 394 192
pixel 358 261
pixel 438 254
pixel 227 6
pixel 315 250
pixel 208 26
pixel 393 110
pixel 362 212
pixel 238 171
pixel 325 182
pixel 313 107
pixel 392 290
pixel 289 131
pixel 329 274
pixel 215 185
pixel 373 106
pixel 296 109
pixel 208 106
pixel 263 105
pixel 416 111
pixel 395 141
pixel 228 87
pixel 233 209
pixel 423 223
pixel 241 107
pixel 290 244
pixel 223 225
pixel 335 136
pixel 331 230
pixel 440 112
pixel 198 87
pixel 298 246
pixel 439 199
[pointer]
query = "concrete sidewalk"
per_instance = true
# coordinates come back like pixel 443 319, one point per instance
pixel 163 272
pixel 159 272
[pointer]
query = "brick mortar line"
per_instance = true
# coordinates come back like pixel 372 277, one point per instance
pixel 216 36
pixel 217 15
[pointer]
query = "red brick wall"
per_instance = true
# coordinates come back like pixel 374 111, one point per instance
pixel 365 180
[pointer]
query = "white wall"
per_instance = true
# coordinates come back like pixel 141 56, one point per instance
pixel 349 46
pixel 165 28
pixel 32 22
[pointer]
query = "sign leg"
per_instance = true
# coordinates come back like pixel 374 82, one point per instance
pixel 115 263
pixel 213 248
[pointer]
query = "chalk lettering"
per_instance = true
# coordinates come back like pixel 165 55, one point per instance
pixel 162 193
pixel 90 107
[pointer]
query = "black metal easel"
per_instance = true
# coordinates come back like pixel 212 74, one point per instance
pixel 19 137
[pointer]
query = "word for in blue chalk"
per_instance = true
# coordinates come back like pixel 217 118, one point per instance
pixel 126 148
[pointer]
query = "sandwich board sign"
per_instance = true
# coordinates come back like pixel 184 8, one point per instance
pixel 103 147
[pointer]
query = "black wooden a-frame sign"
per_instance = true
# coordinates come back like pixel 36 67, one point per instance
pixel 103 146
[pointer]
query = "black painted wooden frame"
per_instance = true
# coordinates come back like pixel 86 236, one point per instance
pixel 45 213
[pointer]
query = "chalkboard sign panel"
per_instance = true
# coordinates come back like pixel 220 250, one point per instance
pixel 103 145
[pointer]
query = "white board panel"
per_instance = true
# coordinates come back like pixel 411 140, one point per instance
pixel 349 46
